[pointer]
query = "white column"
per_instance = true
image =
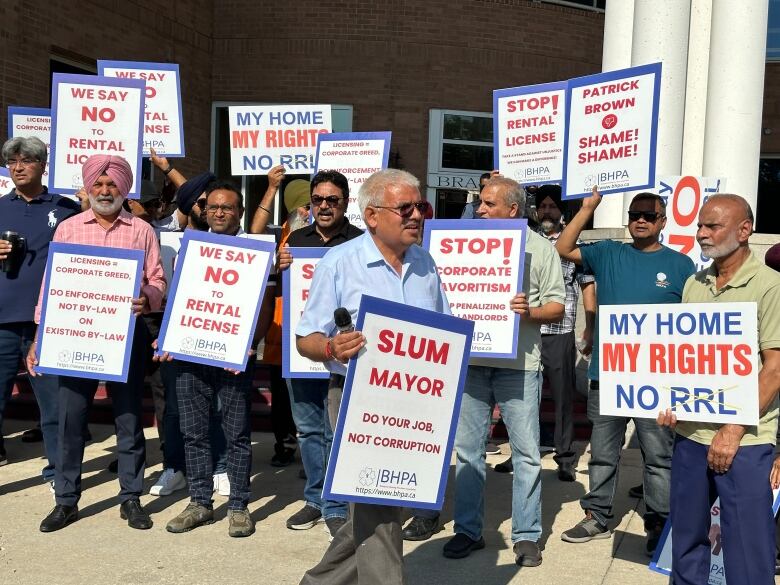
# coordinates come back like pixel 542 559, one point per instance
pixel 735 94
pixel 616 54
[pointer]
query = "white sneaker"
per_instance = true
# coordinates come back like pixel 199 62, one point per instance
pixel 222 484
pixel 51 486
pixel 169 482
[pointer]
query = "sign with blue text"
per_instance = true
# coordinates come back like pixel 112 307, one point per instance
pixel 400 407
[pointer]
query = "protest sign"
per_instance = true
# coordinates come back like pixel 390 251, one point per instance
pixel 28 122
pixel 529 126
pixel 684 198
pixel 87 322
pixel 6 184
pixel 215 299
pixel 163 122
pixel 356 155
pixel 480 263
pixel 662 559
pixel 699 359
pixel 296 282
pixel 94 115
pixel 611 131
pixel 400 407
pixel 262 137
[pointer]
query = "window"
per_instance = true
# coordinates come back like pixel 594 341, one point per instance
pixel 773 31
pixel 768 204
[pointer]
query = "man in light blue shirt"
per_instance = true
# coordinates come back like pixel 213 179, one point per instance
pixel 385 262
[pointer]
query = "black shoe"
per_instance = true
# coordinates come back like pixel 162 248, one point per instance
pixel 113 467
pixel 135 515
pixel 638 491
pixel 505 466
pixel 334 525
pixel 460 546
pixel 283 457
pixel 32 435
pixel 3 458
pixel 567 472
pixel 420 528
pixel 59 518
pixel 527 553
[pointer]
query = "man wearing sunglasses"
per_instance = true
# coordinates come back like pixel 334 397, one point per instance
pixel 641 272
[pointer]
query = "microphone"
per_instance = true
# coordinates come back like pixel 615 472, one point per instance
pixel 343 320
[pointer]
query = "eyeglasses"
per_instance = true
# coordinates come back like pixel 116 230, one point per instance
pixel 226 209
pixel 332 200
pixel 650 216
pixel 24 162
pixel 201 203
pixel 406 209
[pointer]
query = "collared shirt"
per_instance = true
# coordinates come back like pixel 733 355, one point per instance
pixel 309 237
pixel 573 278
pixel 128 232
pixel 35 220
pixel 754 282
pixel 542 284
pixel 357 267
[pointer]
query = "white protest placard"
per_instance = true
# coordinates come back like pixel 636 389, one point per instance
pixel 215 299
pixel 87 323
pixel 296 282
pixel 94 115
pixel 611 131
pixel 357 156
pixel 262 137
pixel 163 122
pixel 529 128
pixel 400 407
pixel 26 122
pixel 480 263
pixel 6 184
pixel 684 198
pixel 699 359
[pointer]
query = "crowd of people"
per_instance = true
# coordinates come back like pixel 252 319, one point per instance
pixel 203 411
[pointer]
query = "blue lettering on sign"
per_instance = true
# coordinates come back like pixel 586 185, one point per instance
pixel 211 345
pixel 699 400
pixel 646 397
pixel 621 327
pixel 263 162
pixel 393 477
pixel 246 119
pixel 482 336
pixel 612 176
pixel 295 118
pixel 728 323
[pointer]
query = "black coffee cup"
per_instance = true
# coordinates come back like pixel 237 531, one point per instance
pixel 13 260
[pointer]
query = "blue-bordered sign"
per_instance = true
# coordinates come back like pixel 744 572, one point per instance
pixel 529 127
pixel 6 184
pixel 94 115
pixel 215 299
pixel 400 407
pixel 481 264
pixel 296 281
pixel 87 323
pixel 611 131
pixel 163 121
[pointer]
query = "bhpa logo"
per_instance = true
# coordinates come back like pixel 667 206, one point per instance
pixel 187 344
pixel 367 476
pixel 65 356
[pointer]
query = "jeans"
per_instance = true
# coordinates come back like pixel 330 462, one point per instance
pixel 517 393
pixel 15 340
pixel 309 401
pixel 606 443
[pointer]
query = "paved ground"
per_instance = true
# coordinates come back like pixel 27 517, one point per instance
pixel 101 549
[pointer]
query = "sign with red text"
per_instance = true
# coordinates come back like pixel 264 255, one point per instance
pixel 698 359
pixel 684 198
pixel 296 282
pixel 262 137
pixel 528 132
pixel 611 131
pixel 215 299
pixel 163 122
pixel 357 156
pixel 480 263
pixel 400 407
pixel 94 115
pixel 6 184
pixel 26 122
pixel 87 322
pixel 662 559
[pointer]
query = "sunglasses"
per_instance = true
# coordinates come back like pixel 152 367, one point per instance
pixel 650 216
pixel 201 203
pixel 406 209
pixel 332 200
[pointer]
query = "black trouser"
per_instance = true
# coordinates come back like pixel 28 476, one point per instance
pixel 558 359
pixel 282 423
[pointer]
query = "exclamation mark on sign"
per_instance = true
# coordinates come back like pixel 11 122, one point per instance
pixel 507 249
pixel 636 150
pixel 555 104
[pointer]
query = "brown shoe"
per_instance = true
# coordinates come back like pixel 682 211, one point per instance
pixel 240 523
pixel 194 515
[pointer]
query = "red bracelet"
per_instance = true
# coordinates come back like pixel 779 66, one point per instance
pixel 328 351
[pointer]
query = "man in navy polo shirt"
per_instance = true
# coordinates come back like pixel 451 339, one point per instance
pixel 34 213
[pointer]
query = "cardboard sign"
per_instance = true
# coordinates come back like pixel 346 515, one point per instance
pixel 163 122
pixel 296 282
pixel 529 127
pixel 611 131
pixel 26 122
pixel 94 115
pixel 400 407
pixel 262 137
pixel 87 322
pixel 6 184
pixel 357 156
pixel 215 299
pixel 480 263
pixel 699 359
